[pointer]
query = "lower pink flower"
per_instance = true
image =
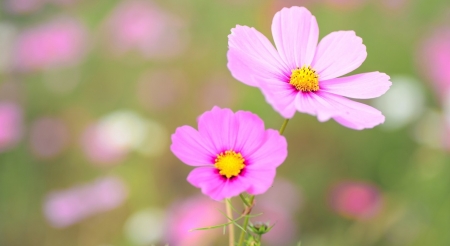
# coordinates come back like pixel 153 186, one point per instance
pixel 64 208
pixel 357 200
pixel 10 125
pixel 232 153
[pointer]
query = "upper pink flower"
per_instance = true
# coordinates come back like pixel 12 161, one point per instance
pixel 301 75
pixel 233 153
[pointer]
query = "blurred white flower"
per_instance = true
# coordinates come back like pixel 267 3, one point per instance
pixel 146 227
pixel 114 135
pixel 403 103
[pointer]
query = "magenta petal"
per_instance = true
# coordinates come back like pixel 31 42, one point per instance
pixel 190 148
pixel 251 55
pixel 270 154
pixel 250 133
pixel 214 185
pixel 260 180
pixel 219 128
pixel 337 54
pixel 295 32
pixel 360 86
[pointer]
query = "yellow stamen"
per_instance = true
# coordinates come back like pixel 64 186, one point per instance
pixel 229 163
pixel 305 79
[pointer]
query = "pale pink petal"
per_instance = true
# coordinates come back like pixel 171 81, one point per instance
pixel 219 128
pixel 338 53
pixel 260 180
pixel 353 114
pixel 295 32
pixel 214 185
pixel 360 86
pixel 349 113
pixel 280 95
pixel 270 154
pixel 189 146
pixel 251 55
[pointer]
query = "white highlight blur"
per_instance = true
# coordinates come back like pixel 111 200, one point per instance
pixel 403 103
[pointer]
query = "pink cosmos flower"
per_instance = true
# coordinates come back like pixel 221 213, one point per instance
pixel 358 200
pixel 58 43
pixel 232 153
pixel 302 76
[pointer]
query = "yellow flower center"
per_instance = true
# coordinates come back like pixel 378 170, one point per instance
pixel 305 79
pixel 229 163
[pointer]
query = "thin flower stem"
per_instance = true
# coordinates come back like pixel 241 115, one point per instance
pixel 241 238
pixel 230 226
pixel 283 126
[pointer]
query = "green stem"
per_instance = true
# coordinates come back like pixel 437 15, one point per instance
pixel 241 238
pixel 283 126
pixel 230 226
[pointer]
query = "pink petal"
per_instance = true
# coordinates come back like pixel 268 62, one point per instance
pixel 270 154
pixel 349 113
pixel 338 53
pixel 251 55
pixel 214 185
pixel 190 148
pixel 360 86
pixel 260 180
pixel 295 32
pixel 219 128
pixel 250 133
pixel 280 95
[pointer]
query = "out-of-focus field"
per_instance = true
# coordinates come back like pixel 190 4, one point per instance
pixel 90 92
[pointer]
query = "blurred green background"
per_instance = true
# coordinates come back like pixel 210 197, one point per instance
pixel 90 92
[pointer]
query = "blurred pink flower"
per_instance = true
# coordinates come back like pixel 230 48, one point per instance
pixel 22 6
pixel 49 136
pixel 356 200
pixel 159 90
pixel 345 4
pixel 59 43
pixel 434 61
pixel 66 207
pixel 145 27
pixel 10 125
pixel 231 152
pixel 278 206
pixel 193 213
pixel 217 91
pixel 98 147
pixel 29 6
